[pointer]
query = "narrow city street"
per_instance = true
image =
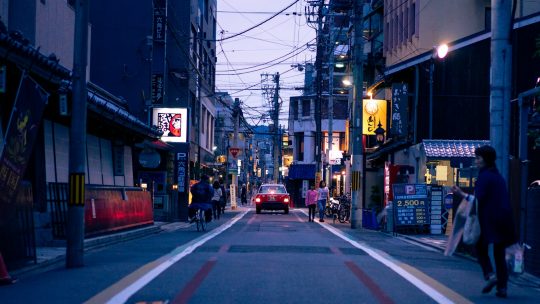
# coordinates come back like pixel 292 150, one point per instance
pixel 263 258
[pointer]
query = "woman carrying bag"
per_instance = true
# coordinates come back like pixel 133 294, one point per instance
pixel 495 218
pixel 216 199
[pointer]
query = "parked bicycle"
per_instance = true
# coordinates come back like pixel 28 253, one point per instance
pixel 332 208
pixel 344 210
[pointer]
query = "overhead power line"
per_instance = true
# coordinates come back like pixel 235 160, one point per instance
pixel 295 51
pixel 260 23
pixel 261 13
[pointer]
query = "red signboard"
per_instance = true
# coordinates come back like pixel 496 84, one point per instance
pixel 234 152
pixel 390 175
pixel 108 210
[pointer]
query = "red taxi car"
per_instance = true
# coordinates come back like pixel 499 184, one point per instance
pixel 272 197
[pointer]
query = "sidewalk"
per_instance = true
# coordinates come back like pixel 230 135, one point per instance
pixel 438 242
pixel 52 257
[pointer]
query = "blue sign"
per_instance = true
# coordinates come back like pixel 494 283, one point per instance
pixel 411 204
pixel 449 201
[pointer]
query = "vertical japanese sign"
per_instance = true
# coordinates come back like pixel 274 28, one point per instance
pixel 181 171
pixel 400 119
pixel 233 196
pixel 158 33
pixel 22 131
pixel 305 188
pixel 157 83
pixel 159 37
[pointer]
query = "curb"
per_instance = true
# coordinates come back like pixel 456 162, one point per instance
pixel 89 244
pixel 441 249
pixel 526 278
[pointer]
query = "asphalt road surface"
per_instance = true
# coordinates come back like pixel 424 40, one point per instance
pixel 264 258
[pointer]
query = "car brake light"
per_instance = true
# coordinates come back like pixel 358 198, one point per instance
pixel 257 200
pixel 286 200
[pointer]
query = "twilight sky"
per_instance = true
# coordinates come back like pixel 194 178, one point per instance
pixel 284 37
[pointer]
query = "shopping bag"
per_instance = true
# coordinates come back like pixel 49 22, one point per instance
pixel 515 258
pixel 471 230
pixel 460 218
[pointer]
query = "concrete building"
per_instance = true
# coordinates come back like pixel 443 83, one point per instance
pixel 302 115
pixel 437 153
pixel 160 56
pixel 224 132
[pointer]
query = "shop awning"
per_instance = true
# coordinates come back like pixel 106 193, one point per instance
pixel 441 149
pixel 302 171
pixel 155 144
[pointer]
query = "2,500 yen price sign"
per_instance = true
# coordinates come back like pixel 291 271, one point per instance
pixel 411 212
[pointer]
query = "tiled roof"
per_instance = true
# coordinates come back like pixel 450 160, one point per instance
pixel 17 47
pixel 100 104
pixel 452 148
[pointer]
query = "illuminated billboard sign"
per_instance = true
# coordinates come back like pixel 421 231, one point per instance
pixel 374 113
pixel 172 122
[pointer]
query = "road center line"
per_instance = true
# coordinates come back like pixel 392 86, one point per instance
pixel 134 282
pixel 400 268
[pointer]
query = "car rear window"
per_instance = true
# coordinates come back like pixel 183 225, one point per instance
pixel 273 189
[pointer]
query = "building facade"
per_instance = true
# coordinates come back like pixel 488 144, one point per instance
pixel 36 54
pixel 160 56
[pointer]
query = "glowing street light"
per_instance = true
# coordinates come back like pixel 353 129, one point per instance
pixel 347 82
pixel 442 50
pixel 439 52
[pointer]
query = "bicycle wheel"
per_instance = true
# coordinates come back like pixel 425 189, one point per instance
pixel 328 211
pixel 198 221
pixel 202 220
pixel 342 215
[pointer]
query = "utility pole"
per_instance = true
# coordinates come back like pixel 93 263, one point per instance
pixel 318 101
pixel 77 141
pixel 330 44
pixel 276 129
pixel 236 117
pixel 357 145
pixel 501 81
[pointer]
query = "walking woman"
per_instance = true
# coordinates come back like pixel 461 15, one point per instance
pixel 311 202
pixel 322 198
pixel 495 217
pixel 216 199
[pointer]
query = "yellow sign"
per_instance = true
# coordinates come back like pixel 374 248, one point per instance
pixel 374 111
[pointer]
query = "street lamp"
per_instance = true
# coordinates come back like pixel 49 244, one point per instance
pixel 346 81
pixel 379 133
pixel 439 52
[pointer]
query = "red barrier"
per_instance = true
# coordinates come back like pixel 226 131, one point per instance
pixel 109 210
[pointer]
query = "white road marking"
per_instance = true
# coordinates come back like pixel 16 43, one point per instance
pixel 390 263
pixel 176 256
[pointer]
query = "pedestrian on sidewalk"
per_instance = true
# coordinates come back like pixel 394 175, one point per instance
pixel 224 198
pixel 322 198
pixel 216 200
pixel 311 202
pixel 495 217
pixel 243 195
